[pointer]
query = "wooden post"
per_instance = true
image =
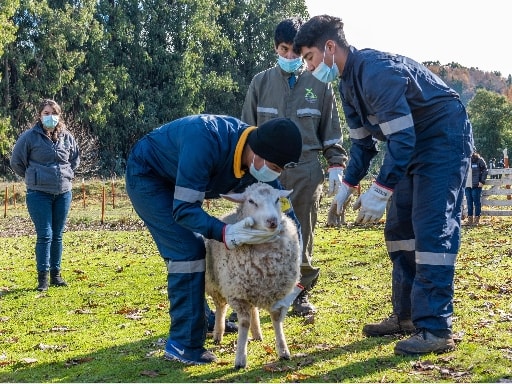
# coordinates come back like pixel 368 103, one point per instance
pixel 5 202
pixel 113 195
pixel 103 204
pixel 83 192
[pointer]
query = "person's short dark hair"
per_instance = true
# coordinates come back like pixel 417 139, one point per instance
pixel 286 30
pixel 317 30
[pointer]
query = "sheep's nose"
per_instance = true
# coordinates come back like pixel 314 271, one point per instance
pixel 272 222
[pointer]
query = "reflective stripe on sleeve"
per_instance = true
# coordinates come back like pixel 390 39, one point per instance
pixel 358 133
pixel 396 125
pixel 188 195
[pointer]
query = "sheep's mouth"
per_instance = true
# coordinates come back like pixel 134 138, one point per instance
pixel 277 228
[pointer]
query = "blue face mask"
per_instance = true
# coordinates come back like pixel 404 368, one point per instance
pixel 50 121
pixel 264 174
pixel 289 65
pixel 324 73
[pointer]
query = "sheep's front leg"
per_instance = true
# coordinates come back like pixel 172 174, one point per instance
pixel 221 308
pixel 255 324
pixel 277 322
pixel 243 311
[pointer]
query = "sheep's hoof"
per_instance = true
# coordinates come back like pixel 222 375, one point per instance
pixel 217 339
pixel 240 366
pixel 285 357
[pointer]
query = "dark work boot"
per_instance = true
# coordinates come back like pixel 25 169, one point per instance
pixel 301 305
pixel 424 342
pixel 56 279
pixel 42 280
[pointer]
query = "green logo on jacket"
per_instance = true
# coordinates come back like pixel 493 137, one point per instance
pixel 310 95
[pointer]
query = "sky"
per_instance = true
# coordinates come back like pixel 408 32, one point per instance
pixel 473 34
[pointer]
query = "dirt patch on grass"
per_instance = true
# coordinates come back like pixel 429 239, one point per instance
pixel 22 226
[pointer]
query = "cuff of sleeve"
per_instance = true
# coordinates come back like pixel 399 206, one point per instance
pixel 383 186
pixel 224 236
pixel 349 185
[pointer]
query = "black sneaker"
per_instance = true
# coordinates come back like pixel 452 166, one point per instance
pixel 233 317
pixel 190 356
pixel 230 327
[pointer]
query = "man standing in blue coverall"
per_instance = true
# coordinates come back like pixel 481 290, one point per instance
pixel 428 140
pixel 169 173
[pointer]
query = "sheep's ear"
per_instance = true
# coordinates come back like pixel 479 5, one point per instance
pixel 234 197
pixel 285 193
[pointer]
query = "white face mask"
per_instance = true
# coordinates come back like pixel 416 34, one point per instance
pixel 289 65
pixel 50 121
pixel 264 174
pixel 324 73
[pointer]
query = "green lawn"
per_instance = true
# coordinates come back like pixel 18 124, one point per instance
pixel 111 323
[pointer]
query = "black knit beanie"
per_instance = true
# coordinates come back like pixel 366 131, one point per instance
pixel 278 141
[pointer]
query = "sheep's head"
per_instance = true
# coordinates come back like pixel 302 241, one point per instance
pixel 261 202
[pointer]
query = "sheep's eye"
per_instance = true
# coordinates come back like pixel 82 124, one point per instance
pixel 251 201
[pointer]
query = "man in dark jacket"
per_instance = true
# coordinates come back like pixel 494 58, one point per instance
pixel 428 137
pixel 170 172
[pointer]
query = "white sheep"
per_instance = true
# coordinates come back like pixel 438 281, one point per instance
pixel 250 277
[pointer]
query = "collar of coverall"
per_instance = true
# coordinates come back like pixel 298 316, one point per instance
pixel 237 161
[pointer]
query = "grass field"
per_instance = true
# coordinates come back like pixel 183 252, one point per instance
pixel 111 322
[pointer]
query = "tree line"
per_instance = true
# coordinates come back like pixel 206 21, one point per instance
pixel 120 68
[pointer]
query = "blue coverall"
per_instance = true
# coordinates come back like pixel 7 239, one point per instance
pixel 428 140
pixel 169 173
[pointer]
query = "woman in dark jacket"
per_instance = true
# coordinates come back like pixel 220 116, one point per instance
pixel 46 156
pixel 477 175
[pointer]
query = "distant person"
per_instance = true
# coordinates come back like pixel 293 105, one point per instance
pixel 492 165
pixel 289 90
pixel 477 174
pixel 500 165
pixel 428 138
pixel 170 172
pixel 46 156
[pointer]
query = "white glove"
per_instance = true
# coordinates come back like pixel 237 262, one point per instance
pixel 240 233
pixel 286 301
pixel 344 192
pixel 372 203
pixel 335 179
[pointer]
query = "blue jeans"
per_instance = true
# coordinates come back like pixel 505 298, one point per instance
pixel 48 213
pixel 474 200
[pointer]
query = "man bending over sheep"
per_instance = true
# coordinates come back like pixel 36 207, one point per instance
pixel 169 173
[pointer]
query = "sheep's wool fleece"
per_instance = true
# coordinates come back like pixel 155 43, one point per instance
pixel 260 274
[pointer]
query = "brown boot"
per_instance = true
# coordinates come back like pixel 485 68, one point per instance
pixel 424 342
pixel 477 220
pixel 470 220
pixel 390 326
